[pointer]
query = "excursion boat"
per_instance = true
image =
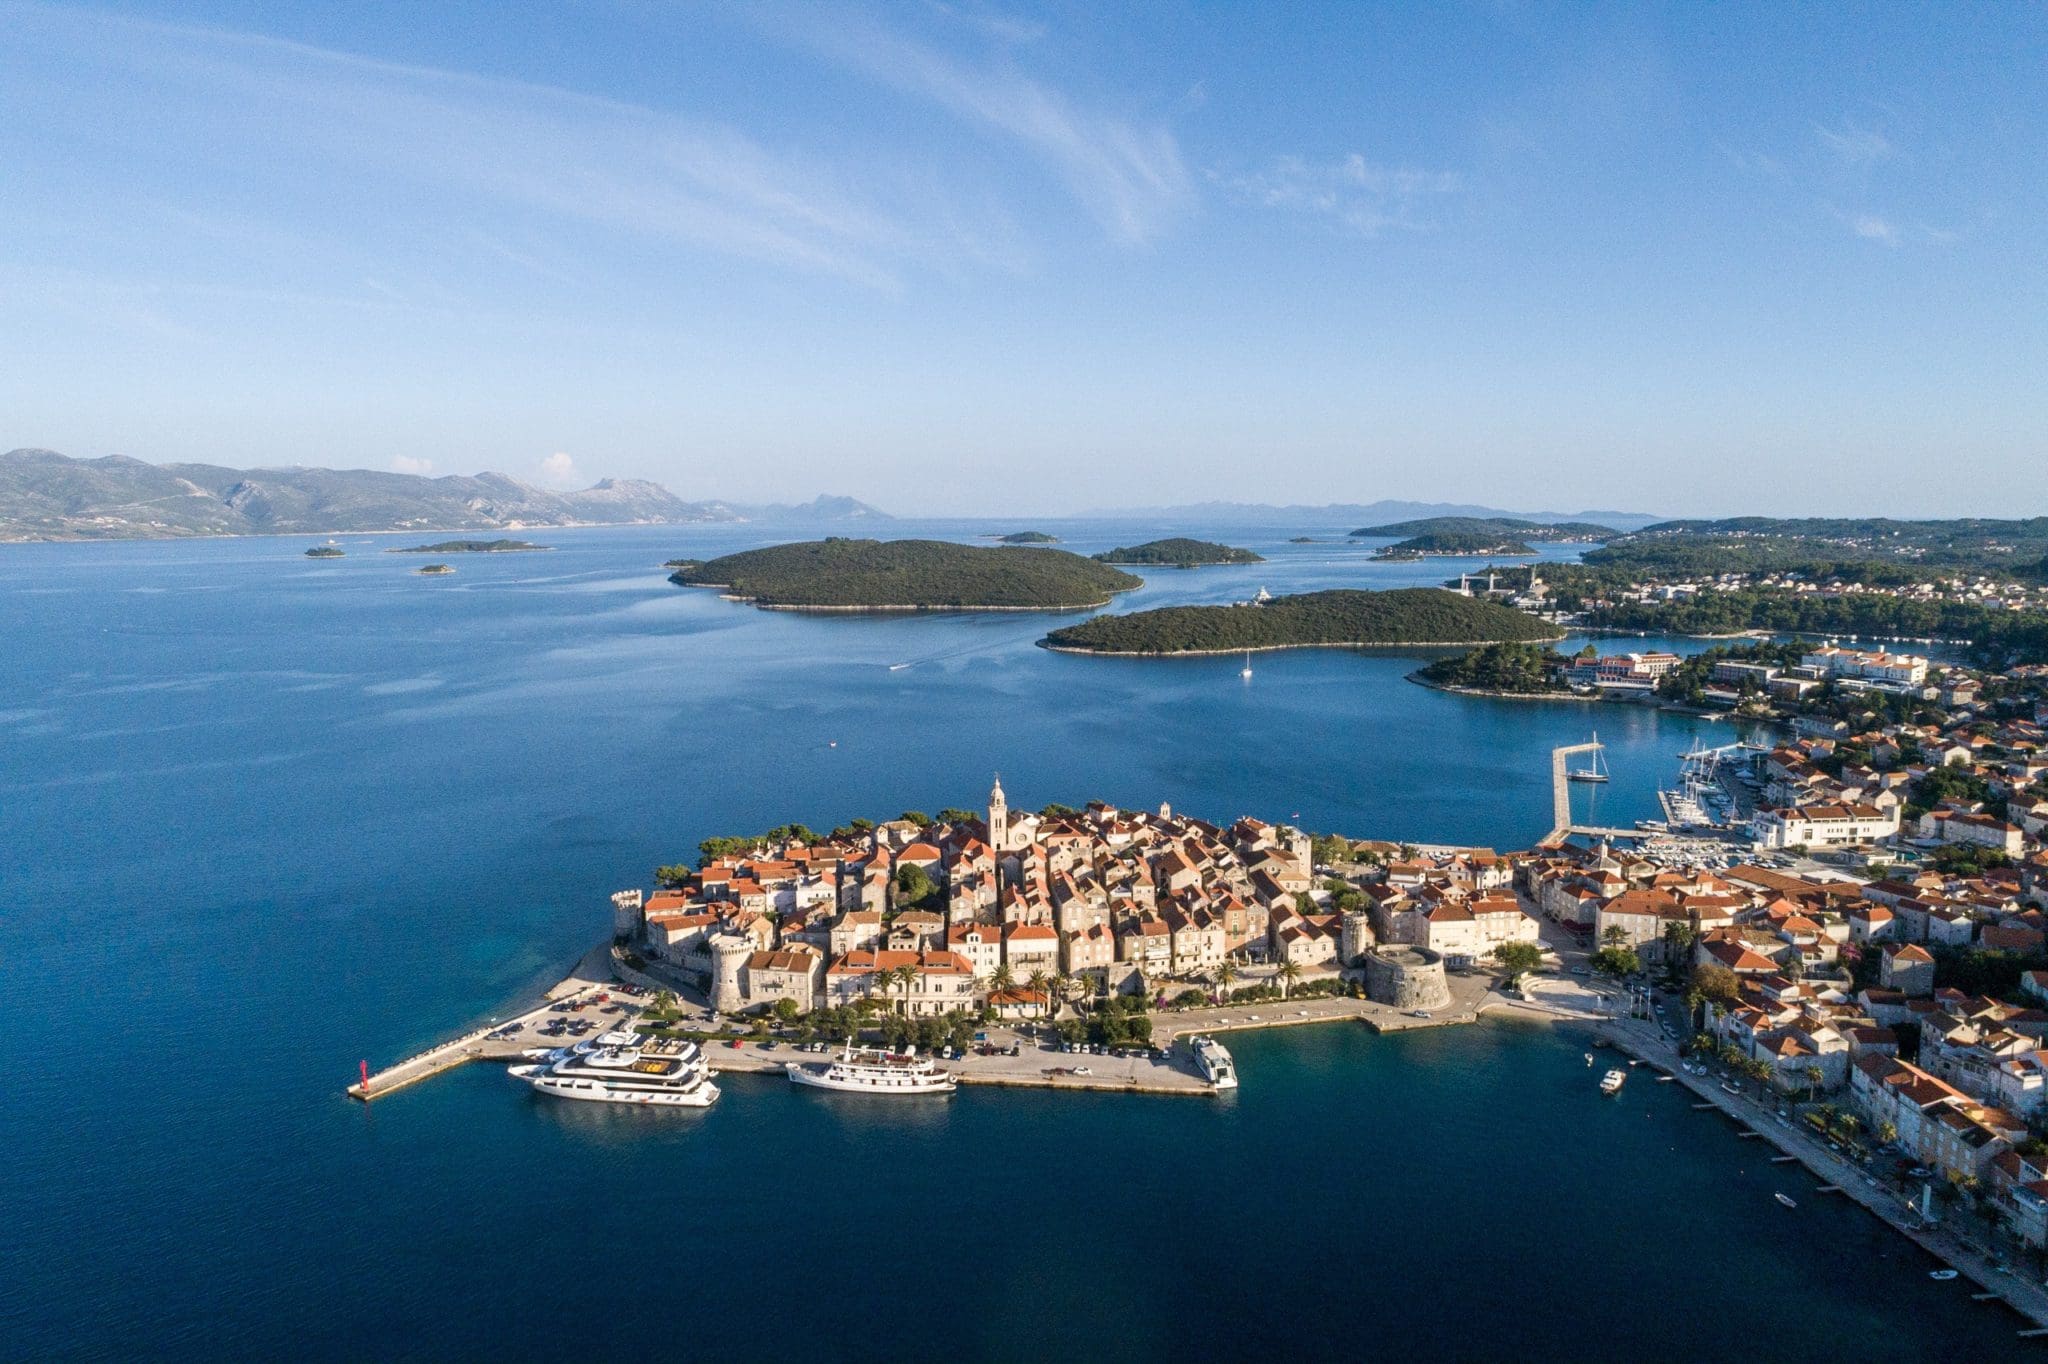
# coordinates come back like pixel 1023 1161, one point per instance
pixel 615 1038
pixel 1785 1199
pixel 667 1072
pixel 1611 1082
pixel 1216 1064
pixel 862 1070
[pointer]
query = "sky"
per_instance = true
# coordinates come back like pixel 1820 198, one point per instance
pixel 963 258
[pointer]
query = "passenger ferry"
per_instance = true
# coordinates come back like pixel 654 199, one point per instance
pixel 1611 1082
pixel 868 1071
pixel 668 1072
pixel 1214 1059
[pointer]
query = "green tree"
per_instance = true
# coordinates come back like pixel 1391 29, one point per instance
pixel 914 886
pixel 1616 961
pixel 786 1010
pixel 953 814
pixel 1518 959
pixel 674 876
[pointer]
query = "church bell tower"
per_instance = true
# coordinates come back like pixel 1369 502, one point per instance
pixel 998 818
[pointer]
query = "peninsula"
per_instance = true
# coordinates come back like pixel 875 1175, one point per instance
pixel 1180 553
pixel 1341 617
pixel 472 547
pixel 1495 527
pixel 837 574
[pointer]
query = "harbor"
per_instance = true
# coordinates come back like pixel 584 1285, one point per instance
pixel 604 994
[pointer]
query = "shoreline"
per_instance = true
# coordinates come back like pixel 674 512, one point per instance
pixel 2022 1295
pixel 1277 648
pixel 886 608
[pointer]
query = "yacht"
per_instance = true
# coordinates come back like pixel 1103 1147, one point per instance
pixel 668 1072
pixel 1215 1062
pixel 869 1071
pixel 1611 1082
pixel 1596 771
pixel 1247 664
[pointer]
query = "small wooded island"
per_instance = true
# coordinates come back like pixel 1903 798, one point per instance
pixel 435 570
pixel 1455 543
pixel 1179 553
pixel 471 547
pixel 324 552
pixel 1027 537
pixel 840 574
pixel 1408 615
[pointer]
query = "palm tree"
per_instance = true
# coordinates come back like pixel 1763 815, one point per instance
pixel 1886 1134
pixel 1615 936
pixel 1038 981
pixel 1225 973
pixel 1003 979
pixel 1814 1075
pixel 1287 975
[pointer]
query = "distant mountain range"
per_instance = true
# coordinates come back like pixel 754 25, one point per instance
pixel 1366 514
pixel 48 496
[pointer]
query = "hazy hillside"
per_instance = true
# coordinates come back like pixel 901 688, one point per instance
pixel 48 496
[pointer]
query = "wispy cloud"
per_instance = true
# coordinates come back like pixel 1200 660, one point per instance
pixel 1873 228
pixel 411 464
pixel 1355 193
pixel 1854 144
pixel 578 159
pixel 1127 172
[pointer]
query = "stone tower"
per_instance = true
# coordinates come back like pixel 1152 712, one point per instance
pixel 998 818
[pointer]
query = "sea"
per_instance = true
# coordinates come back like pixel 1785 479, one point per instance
pixel 265 817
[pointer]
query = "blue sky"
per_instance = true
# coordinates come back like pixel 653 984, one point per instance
pixel 961 258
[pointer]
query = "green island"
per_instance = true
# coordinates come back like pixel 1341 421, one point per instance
pixel 434 570
pixel 1179 552
pixel 1027 537
pixel 324 552
pixel 1340 617
pixel 839 574
pixel 1492 527
pixel 1506 669
pixel 1452 542
pixel 471 547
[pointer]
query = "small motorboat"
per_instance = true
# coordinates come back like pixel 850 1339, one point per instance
pixel 1944 1275
pixel 1589 1058
pixel 1611 1082
pixel 1782 1198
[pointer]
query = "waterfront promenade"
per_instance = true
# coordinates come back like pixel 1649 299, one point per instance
pixel 1646 1041
pixel 1039 1063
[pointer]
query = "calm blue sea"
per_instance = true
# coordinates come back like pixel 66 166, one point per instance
pixel 265 816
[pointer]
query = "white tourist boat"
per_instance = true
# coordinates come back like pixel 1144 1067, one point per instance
pixel 1215 1061
pixel 664 1072
pixel 1611 1082
pixel 863 1070
pixel 615 1038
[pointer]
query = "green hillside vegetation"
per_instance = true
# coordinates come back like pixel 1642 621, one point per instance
pixel 1029 537
pixel 1496 526
pixel 471 547
pixel 1409 615
pixel 1999 636
pixel 1179 553
pixel 934 575
pixel 1457 542
pixel 1523 669
pixel 1873 551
